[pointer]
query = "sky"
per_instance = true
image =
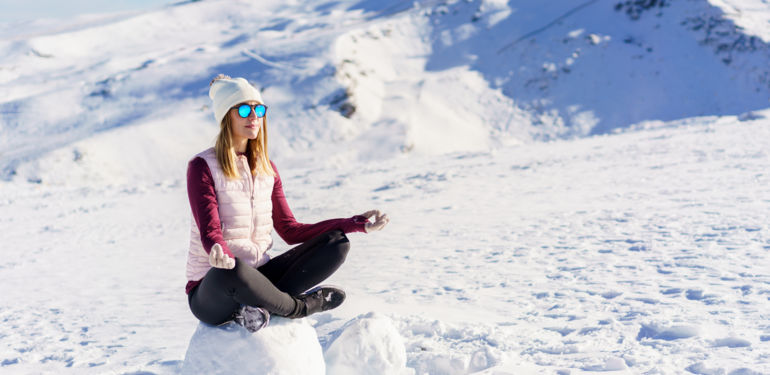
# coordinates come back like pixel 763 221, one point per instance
pixel 25 10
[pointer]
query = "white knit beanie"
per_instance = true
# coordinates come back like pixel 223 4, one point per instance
pixel 225 92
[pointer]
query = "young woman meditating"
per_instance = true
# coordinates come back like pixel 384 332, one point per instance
pixel 237 198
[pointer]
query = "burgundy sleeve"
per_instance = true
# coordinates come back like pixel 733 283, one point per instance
pixel 293 232
pixel 203 202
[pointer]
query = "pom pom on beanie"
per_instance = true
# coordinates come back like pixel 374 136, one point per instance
pixel 226 92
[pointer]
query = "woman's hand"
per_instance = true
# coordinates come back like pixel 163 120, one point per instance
pixel 380 220
pixel 218 258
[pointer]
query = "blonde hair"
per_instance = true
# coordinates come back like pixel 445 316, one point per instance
pixel 256 149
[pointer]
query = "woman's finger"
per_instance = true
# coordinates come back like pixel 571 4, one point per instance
pixel 384 217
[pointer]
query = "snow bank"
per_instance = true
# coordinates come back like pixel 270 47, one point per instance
pixel 285 347
pixel 368 344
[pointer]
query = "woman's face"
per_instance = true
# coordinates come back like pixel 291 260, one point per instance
pixel 245 128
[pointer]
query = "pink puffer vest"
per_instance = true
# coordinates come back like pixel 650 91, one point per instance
pixel 245 212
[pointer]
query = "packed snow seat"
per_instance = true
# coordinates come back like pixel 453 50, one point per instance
pixel 284 347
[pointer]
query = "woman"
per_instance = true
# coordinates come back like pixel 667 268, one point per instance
pixel 237 198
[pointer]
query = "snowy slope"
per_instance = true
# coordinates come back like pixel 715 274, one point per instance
pixel 638 249
pixel 594 66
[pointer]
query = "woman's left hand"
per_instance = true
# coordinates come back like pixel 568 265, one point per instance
pixel 380 220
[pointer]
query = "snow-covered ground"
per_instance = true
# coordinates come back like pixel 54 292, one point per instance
pixel 645 250
pixel 535 228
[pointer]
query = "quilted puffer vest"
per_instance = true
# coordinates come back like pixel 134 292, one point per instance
pixel 245 212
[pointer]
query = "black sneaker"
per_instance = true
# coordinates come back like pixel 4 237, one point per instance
pixel 252 318
pixel 321 298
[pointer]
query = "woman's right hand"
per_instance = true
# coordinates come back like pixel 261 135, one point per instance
pixel 218 258
pixel 380 220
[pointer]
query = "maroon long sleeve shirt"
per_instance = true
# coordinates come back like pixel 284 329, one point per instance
pixel 205 210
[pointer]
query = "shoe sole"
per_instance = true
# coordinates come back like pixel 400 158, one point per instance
pixel 241 321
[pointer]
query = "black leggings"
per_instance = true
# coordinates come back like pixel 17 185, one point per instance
pixel 273 285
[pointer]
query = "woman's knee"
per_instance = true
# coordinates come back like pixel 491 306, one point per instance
pixel 337 236
pixel 241 271
pixel 338 245
pixel 228 277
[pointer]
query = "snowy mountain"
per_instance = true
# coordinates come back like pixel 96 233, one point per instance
pixel 427 78
pixel 574 186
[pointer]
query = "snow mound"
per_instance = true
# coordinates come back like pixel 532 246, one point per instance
pixel 368 344
pixel 284 347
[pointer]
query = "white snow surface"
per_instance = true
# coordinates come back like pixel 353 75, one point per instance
pixel 750 15
pixel 574 187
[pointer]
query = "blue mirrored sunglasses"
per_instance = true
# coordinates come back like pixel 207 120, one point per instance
pixel 244 110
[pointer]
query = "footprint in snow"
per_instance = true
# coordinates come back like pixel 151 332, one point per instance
pixel 562 331
pixel 611 294
pixel 656 332
pixel 698 295
pixel 671 291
